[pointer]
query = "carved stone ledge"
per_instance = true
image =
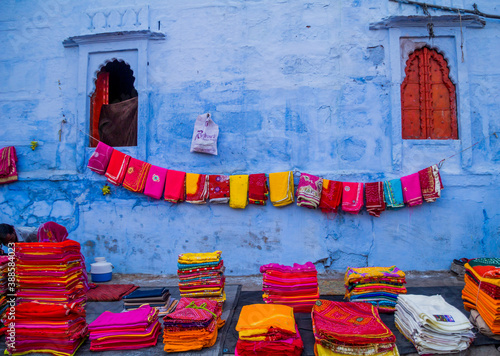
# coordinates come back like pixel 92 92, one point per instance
pixel 113 37
pixel 472 21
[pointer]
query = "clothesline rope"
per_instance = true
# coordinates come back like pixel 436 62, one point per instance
pixel 439 164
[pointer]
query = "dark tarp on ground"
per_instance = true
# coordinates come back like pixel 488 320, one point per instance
pixel 452 295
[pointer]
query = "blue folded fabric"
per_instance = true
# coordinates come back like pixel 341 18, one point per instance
pixel 393 194
pixel 146 293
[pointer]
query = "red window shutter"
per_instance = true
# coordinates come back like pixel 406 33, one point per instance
pixel 428 102
pixel 98 99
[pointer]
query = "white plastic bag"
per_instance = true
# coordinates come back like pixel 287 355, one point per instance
pixel 205 135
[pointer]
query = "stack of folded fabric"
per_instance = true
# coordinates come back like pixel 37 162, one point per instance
pixel 295 286
pixel 345 328
pixel 309 191
pixel 433 325
pixel 157 298
pixel 267 329
pixel 282 188
pixel 4 290
pixel 129 330
pixel 50 272
pixel 58 329
pixel 379 286
pixel 482 290
pixel 258 191
pixel 193 325
pixel 51 295
pixel 196 188
pixel 201 275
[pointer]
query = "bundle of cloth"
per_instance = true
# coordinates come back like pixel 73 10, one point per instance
pixel 58 329
pixel 193 325
pixel 345 328
pixel 130 330
pixel 432 325
pixel 201 275
pixel 258 190
pixel 51 272
pixel 218 189
pixel 267 329
pixel 156 298
pixel 379 286
pixel 295 286
pixel 482 293
pixel 196 188
pixel 4 290
pixel 239 191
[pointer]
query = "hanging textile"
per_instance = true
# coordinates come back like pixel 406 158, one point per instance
pixel 135 178
pixel 99 160
pixel 352 197
pixel 309 191
pixel 430 183
pixel 258 192
pixel 239 191
pixel 8 169
pixel 412 193
pixel 282 188
pixel 155 182
pixel 175 186
pixel 331 196
pixel 375 198
pixel 218 187
pixel 117 167
pixel 196 188
pixel 393 193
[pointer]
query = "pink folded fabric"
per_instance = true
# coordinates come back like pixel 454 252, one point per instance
pixel 306 267
pixel 99 160
pixel 155 182
pixel 175 186
pixel 412 194
pixel 142 316
pixel 309 191
pixel 352 197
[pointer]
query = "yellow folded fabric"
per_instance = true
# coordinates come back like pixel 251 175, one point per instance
pixel 238 186
pixel 319 350
pixel 260 317
pixel 199 257
pixel 281 188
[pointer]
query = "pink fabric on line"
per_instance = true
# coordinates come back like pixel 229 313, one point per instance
pixel 137 317
pixel 175 182
pixel 352 197
pixel 306 267
pixel 52 232
pixel 412 194
pixel 99 160
pixel 155 182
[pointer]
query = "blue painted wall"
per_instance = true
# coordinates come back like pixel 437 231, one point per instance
pixel 292 85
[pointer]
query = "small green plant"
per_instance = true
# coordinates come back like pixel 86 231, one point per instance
pixel 106 190
pixel 34 144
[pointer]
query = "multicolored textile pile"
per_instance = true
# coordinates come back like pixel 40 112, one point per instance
pixel 193 325
pixel 156 298
pixel 379 286
pixel 129 330
pixel 432 325
pixel 57 329
pixel 345 328
pixel 201 275
pixel 267 329
pixel 4 290
pixel 295 286
pixel 482 290
pixel 51 297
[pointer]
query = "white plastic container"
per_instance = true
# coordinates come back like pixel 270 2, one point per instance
pixel 101 270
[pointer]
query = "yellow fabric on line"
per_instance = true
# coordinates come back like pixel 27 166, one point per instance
pixel 238 186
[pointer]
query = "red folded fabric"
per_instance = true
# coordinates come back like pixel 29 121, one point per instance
pixel 258 191
pixel 175 186
pixel 8 169
pixel 430 183
pixel 331 196
pixel 110 292
pixel 218 187
pixel 117 167
pixel 375 203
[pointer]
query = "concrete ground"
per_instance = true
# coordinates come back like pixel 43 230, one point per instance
pixel 329 284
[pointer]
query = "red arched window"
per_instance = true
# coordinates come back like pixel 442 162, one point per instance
pixel 428 102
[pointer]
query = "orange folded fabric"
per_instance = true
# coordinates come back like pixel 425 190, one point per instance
pixel 135 178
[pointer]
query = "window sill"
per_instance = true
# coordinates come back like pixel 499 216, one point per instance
pixel 412 142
